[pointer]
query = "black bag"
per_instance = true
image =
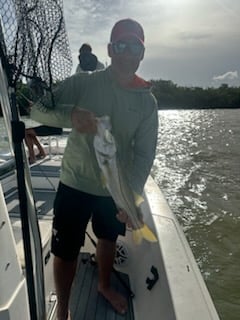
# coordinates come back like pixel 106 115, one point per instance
pixel 88 61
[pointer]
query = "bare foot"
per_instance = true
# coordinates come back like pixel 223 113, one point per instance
pixel 40 156
pixel 118 302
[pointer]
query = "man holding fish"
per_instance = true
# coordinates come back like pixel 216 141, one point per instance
pixel 106 162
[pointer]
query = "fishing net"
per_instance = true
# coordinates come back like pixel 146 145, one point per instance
pixel 34 40
pixel 34 49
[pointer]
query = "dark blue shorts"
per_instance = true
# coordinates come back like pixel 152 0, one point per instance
pixel 72 211
pixel 43 131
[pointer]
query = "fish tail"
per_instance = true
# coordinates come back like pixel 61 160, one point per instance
pixel 143 233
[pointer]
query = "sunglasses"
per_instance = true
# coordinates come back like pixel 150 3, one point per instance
pixel 136 49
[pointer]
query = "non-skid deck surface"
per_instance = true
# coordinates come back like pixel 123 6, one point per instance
pixel 46 168
pixel 86 303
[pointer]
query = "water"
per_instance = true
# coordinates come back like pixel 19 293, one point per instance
pixel 197 168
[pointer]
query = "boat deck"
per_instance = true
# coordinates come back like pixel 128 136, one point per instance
pixel 177 289
pixel 86 303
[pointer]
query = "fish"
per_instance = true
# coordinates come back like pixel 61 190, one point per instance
pixel 114 179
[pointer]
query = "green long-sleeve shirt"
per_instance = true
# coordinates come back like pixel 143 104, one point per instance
pixel 133 114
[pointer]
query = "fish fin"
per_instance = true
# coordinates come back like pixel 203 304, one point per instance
pixel 145 233
pixel 148 234
pixel 138 199
pixel 137 236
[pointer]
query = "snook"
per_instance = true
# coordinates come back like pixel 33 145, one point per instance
pixel 116 183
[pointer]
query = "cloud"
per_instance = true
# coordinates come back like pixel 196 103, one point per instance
pixel 230 75
pixel 187 42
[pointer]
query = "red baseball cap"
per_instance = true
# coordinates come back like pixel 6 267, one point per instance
pixel 125 28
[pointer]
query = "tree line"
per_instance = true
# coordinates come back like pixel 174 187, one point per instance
pixel 169 96
pixel 172 96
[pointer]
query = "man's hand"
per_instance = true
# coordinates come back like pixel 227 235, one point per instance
pixel 84 121
pixel 123 217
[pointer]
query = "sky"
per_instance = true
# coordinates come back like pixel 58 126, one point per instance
pixel 190 42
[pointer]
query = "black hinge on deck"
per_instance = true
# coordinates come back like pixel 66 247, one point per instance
pixel 152 281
